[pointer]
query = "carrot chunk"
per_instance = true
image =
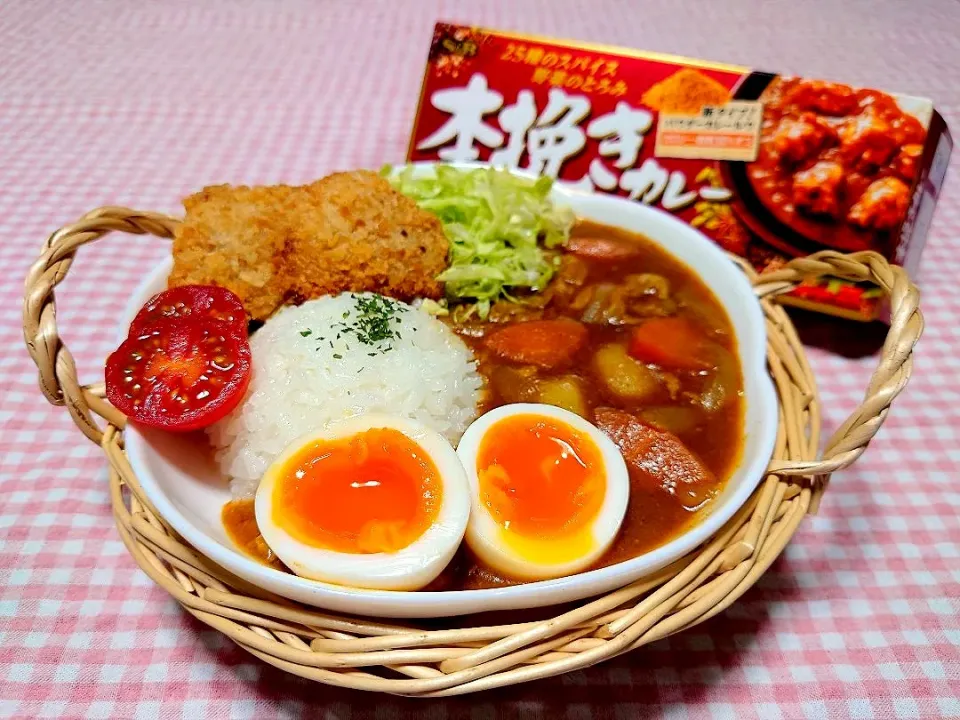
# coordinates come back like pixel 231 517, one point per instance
pixel 546 343
pixel 671 342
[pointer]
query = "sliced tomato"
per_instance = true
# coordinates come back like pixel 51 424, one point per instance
pixel 193 301
pixel 547 343
pixel 179 375
pixel 657 458
pixel 672 342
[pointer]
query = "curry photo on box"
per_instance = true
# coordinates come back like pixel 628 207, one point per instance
pixel 837 165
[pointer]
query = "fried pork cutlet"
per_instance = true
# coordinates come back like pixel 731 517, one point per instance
pixel 355 232
pixel 234 237
pixel 273 245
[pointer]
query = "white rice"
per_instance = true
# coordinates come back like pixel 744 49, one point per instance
pixel 299 384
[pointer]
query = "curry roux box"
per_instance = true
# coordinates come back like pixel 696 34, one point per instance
pixel 770 167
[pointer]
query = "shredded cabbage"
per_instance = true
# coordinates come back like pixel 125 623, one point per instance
pixel 498 225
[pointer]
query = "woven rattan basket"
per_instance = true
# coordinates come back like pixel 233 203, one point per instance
pixel 468 654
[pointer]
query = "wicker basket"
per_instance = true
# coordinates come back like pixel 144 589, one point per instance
pixel 470 654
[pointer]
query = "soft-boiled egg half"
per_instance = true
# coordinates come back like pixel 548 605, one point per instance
pixel 374 502
pixel 550 491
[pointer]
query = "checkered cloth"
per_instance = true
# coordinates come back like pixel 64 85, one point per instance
pixel 141 103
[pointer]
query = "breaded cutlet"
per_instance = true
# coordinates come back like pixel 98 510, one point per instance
pixel 284 244
pixel 357 233
pixel 234 237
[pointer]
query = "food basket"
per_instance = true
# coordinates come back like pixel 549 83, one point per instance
pixel 468 654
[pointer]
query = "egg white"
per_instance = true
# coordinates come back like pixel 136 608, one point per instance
pixel 522 557
pixel 411 567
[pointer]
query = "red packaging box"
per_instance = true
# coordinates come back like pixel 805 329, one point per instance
pixel 770 167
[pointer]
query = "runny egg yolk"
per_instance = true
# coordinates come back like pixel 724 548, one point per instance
pixel 541 479
pixel 373 492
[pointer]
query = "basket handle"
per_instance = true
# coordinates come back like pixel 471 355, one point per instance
pixel 58 372
pixel 896 358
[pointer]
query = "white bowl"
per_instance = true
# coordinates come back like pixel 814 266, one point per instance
pixel 185 486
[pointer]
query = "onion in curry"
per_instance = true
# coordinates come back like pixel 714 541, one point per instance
pixel 631 339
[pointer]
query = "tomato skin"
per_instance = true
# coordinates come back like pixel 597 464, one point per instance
pixel 210 302
pixel 179 374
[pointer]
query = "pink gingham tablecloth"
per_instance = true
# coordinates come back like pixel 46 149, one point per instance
pixel 141 103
